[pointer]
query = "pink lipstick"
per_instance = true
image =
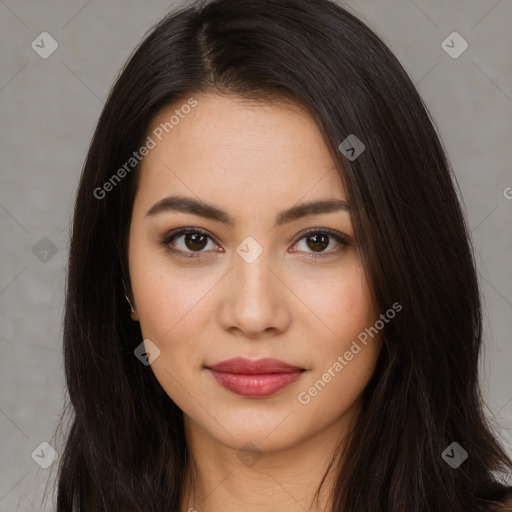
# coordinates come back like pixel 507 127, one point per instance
pixel 259 378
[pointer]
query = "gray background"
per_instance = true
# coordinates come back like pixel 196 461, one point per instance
pixel 49 108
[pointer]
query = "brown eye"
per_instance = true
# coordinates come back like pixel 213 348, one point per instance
pixel 318 242
pixel 195 241
pixel 188 242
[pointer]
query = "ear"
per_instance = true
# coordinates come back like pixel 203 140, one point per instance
pixel 133 312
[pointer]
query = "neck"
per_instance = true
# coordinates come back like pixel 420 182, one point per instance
pixel 220 478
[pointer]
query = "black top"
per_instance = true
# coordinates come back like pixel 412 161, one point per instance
pixel 501 501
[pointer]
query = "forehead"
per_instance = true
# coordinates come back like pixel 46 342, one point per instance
pixel 225 148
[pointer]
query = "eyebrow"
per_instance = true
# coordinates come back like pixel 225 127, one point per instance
pixel 196 207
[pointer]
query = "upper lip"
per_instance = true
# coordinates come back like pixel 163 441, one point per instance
pixel 250 367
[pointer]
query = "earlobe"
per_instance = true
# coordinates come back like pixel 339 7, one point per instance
pixel 133 313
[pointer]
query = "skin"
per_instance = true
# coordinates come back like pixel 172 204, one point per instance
pixel 253 161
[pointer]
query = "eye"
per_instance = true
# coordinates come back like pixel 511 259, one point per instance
pixel 194 240
pixel 320 239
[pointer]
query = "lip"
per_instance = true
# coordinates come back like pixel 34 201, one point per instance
pixel 250 367
pixel 259 378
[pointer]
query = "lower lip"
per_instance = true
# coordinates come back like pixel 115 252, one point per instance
pixel 258 385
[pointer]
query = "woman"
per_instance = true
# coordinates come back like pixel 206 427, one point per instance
pixel 272 301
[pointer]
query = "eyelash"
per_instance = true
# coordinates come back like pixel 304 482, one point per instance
pixel 166 241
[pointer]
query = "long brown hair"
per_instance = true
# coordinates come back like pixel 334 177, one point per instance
pixel 125 449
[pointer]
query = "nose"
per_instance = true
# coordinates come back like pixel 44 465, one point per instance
pixel 255 299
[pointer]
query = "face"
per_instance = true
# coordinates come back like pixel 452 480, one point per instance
pixel 247 280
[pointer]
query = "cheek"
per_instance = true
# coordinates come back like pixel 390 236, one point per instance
pixel 344 363
pixel 173 310
pixel 173 316
pixel 341 304
pixel 168 298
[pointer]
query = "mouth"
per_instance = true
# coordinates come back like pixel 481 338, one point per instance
pixel 260 378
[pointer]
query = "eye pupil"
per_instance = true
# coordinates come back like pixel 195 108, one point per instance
pixel 321 241
pixel 195 241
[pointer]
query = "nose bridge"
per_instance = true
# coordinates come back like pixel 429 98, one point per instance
pixel 254 302
pixel 253 278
